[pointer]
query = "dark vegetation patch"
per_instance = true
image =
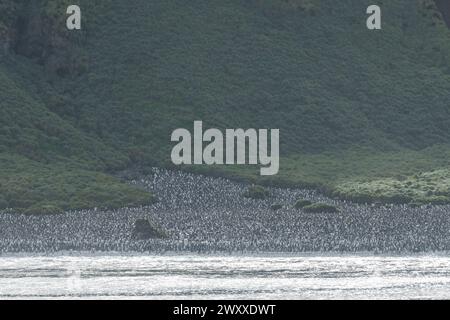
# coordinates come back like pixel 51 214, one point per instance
pixel 276 207
pixel 257 193
pixel 320 208
pixel 26 184
pixel 300 204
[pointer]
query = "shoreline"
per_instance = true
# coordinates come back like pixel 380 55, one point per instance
pixel 212 255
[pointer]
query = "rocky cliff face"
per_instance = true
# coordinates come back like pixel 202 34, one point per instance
pixel 4 41
pixel 9 13
pixel 444 8
pixel 34 30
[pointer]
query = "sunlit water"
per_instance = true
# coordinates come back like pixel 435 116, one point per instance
pixel 224 277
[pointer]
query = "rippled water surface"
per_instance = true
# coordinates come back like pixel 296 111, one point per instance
pixel 225 277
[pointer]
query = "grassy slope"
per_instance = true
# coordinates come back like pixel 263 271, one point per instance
pixel 46 161
pixel 361 113
pixel 365 175
pixel 324 80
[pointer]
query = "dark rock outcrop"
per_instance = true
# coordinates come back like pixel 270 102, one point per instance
pixel 444 8
pixel 144 230
pixel 33 30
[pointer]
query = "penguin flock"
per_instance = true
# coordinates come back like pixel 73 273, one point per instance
pixel 211 215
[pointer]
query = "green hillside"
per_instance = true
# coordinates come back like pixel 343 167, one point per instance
pixel 46 161
pixel 362 114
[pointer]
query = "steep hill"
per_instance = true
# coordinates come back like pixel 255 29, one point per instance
pixel 363 114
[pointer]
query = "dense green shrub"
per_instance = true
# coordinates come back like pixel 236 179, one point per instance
pixel 321 208
pixel 438 200
pixel 302 203
pixel 257 193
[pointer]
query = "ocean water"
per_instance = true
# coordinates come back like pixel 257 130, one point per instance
pixel 271 276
